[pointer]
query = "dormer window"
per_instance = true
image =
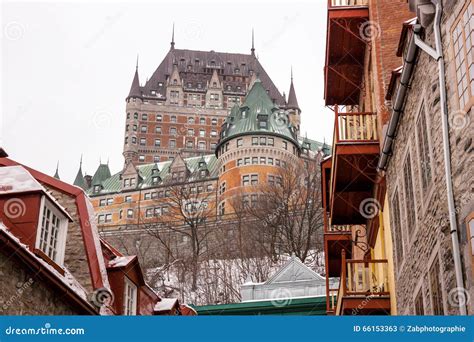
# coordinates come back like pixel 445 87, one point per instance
pixel 175 81
pixel 51 237
pixel 129 298
pixel 214 84
pixel 155 180
pixel 199 85
pixel 189 85
pixel 96 188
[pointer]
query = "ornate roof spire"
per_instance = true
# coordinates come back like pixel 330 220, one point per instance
pixel 79 180
pixel 292 101
pixel 56 174
pixel 252 50
pixel 135 88
pixel 172 39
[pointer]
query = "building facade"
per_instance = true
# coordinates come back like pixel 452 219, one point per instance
pixel 53 260
pixel 182 106
pixel 398 186
pixel 432 207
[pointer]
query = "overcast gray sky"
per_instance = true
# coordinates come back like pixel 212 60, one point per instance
pixel 67 67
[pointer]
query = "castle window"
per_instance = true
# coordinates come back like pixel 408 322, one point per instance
pixel 144 117
pixel 202 133
pixel 157 142
pixel 254 160
pixel 199 85
pixel 214 84
pixel 202 145
pixel 285 145
pixel 213 146
pixel 129 213
pixel 153 92
pixel 253 200
pixel 254 141
pixel 126 140
pixel 229 87
pixel 247 160
pixel 215 97
pixel 127 128
pixel 52 234
pixel 156 159
pixel 102 203
pixel 173 119
pixel 277 162
pixel 128 115
pixel 270 161
pixel 135 115
pixel 173 131
pixel 155 179
pixel 141 158
pixel 158 129
pixel 263 141
pixel 190 131
pixel 142 141
pixel 189 144
pixel 221 209
pixel 172 144
pixel 214 121
pixel 159 117
pixel 134 140
pixel 189 85
pixel 236 70
pixel 254 179
pixel 246 180
pixel 270 141
pixel 222 188
pixel 149 212
pixel 239 88
pixel 202 121
pixel 135 127
pixel 263 160
pixel 143 129
pixel 147 196
pixel 239 162
pixel 213 133
pixel 175 81
pixel 240 142
pixel 191 120
pixel 271 179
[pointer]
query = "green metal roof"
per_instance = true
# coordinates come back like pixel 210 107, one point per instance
pixel 102 173
pixel 113 183
pixel 302 306
pixel 258 106
pixel 314 145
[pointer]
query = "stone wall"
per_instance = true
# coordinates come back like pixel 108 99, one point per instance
pixel 25 293
pixel 429 238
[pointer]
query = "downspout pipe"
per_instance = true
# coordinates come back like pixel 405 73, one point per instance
pixel 447 158
pixel 397 107
pixel 437 54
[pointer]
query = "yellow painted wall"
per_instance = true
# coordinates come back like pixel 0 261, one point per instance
pixel 383 249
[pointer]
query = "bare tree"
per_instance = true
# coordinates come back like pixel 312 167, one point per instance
pixel 184 216
pixel 289 208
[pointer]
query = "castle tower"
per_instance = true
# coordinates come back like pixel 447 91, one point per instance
pixel 256 141
pixel 293 107
pixel 132 128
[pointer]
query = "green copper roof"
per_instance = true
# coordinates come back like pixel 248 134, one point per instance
pixel 314 145
pixel 102 173
pixel 294 306
pixel 80 181
pixel 258 107
pixel 113 183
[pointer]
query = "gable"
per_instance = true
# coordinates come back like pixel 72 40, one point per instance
pixel 294 271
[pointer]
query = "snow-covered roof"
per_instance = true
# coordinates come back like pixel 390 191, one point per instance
pixel 120 261
pixel 16 180
pixel 166 304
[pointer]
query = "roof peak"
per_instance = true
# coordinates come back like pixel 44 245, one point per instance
pixel 292 100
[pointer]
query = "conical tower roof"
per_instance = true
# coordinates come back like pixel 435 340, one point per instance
pixel 79 180
pixel 135 90
pixel 292 100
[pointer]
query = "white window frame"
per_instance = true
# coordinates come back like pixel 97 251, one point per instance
pixel 62 230
pixel 130 294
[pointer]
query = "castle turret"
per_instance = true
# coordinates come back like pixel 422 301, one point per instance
pixel 293 107
pixel 256 141
pixel 79 180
